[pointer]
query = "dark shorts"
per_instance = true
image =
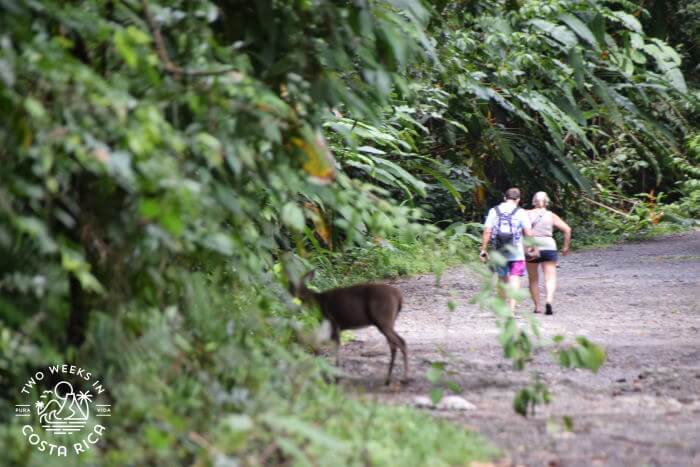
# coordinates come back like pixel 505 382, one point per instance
pixel 545 255
pixel 511 268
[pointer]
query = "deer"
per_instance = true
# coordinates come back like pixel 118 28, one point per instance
pixel 355 307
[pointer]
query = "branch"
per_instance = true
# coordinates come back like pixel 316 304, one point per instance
pixel 606 207
pixel 162 52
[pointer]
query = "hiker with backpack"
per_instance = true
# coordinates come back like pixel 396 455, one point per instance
pixel 504 229
pixel 543 223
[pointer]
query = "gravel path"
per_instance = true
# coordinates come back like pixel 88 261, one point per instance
pixel 641 301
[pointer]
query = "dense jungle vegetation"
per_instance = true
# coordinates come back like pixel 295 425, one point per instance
pixel 161 158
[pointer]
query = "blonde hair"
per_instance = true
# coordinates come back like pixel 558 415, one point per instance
pixel 540 200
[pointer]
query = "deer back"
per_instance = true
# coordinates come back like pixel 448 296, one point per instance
pixel 361 305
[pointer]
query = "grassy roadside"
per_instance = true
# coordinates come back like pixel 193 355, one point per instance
pixel 396 258
pixel 382 434
pixel 589 235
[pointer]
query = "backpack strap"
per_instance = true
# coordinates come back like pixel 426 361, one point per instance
pixel 510 222
pixel 506 214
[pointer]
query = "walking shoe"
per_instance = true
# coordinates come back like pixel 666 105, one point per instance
pixel 537 311
pixel 549 309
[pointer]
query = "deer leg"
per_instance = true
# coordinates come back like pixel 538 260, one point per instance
pixel 391 338
pixel 392 346
pixel 335 336
pixel 402 346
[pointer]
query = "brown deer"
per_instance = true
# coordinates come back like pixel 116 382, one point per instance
pixel 356 307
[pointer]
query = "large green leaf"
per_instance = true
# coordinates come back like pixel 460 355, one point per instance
pixel 580 28
pixel 668 61
pixel 560 33
pixel 555 119
pixel 629 21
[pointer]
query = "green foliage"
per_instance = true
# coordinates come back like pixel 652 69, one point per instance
pixel 688 205
pixel 547 85
pixel 440 379
pixel 528 398
pixel 677 21
pixel 562 96
pixel 133 152
pixel 583 354
pixel 643 216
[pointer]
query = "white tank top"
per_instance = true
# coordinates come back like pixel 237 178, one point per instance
pixel 542 228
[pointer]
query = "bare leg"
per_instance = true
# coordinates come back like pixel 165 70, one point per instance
pixel 550 279
pixel 533 279
pixel 513 283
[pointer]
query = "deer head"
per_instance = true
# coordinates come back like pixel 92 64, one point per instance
pixel 299 289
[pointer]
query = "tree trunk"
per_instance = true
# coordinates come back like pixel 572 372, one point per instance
pixel 77 321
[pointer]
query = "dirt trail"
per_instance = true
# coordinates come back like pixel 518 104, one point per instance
pixel 641 301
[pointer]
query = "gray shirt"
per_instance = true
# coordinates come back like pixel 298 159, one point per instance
pixel 542 229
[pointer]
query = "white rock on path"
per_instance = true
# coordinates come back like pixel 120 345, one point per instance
pixel 422 401
pixel 446 403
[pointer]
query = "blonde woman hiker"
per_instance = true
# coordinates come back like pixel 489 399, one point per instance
pixel 543 223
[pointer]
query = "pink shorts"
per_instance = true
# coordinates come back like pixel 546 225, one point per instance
pixel 512 268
